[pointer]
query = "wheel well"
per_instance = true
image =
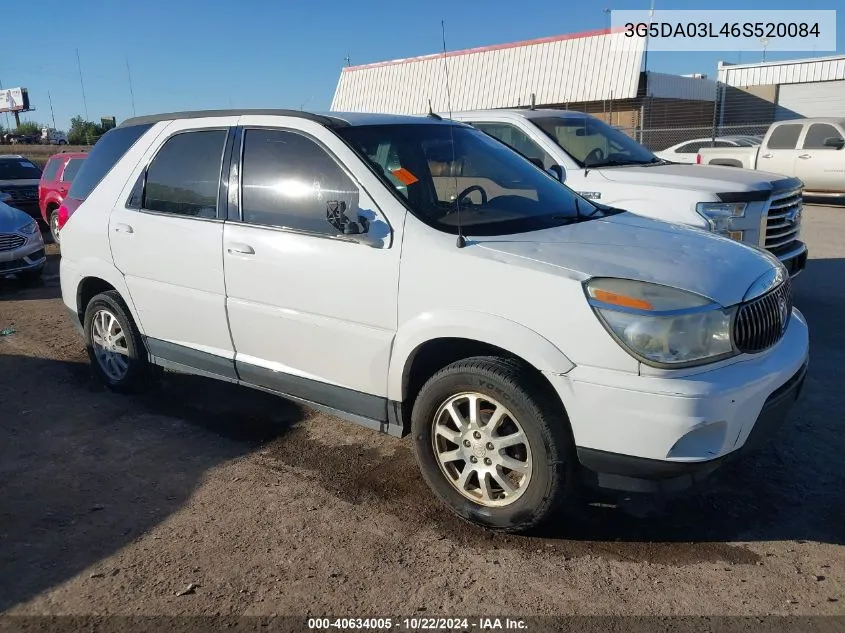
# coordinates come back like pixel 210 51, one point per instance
pixel 89 288
pixel 432 356
pixel 52 206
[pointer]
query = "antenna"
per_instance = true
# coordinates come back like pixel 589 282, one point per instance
pixel 432 113
pixel 131 92
pixel 81 83
pixel 461 241
pixel 52 114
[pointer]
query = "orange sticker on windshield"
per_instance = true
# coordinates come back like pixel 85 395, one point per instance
pixel 404 176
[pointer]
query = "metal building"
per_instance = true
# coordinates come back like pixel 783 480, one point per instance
pixel 596 71
pixel 772 91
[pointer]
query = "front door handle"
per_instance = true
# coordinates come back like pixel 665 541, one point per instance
pixel 238 248
pixel 120 227
pixel 805 156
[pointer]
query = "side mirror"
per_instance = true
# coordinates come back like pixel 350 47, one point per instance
pixel 557 172
pixel 336 216
pixel 834 141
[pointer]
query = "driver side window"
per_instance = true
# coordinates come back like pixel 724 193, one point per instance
pixel 516 139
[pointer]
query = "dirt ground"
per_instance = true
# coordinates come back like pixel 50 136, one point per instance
pixel 112 504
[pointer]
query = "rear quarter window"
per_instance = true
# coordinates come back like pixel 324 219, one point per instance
pixel 51 169
pixel 71 169
pixel 108 150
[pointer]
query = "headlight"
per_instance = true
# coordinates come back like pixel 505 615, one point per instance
pixel 30 228
pixel 662 326
pixel 5 197
pixel 720 216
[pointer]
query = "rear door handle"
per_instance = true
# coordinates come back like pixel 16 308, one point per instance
pixel 766 156
pixel 238 248
pixel 805 156
pixel 120 227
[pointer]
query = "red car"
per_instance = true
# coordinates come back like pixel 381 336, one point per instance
pixel 55 182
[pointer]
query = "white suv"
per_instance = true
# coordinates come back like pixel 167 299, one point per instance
pixel 416 276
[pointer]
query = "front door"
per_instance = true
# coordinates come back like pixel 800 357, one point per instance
pixel 821 167
pixel 167 241
pixel 312 315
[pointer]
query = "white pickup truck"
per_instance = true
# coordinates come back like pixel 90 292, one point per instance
pixel 808 149
pixel 607 166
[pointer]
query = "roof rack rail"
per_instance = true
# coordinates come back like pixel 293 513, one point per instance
pixel 199 114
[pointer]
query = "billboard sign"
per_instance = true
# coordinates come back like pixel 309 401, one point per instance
pixel 14 100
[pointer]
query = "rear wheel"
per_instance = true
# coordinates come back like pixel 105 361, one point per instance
pixel 114 344
pixel 492 445
pixel 54 225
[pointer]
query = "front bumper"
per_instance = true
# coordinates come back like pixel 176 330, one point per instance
pixel 30 256
pixel 653 433
pixel 636 474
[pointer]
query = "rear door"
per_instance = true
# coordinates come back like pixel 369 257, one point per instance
pixel 166 238
pixel 819 166
pixel 779 153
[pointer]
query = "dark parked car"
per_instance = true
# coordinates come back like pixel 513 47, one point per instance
pixel 19 177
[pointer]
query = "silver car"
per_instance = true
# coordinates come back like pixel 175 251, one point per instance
pixel 21 245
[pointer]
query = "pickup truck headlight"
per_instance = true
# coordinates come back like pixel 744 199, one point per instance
pixel 662 326
pixel 720 216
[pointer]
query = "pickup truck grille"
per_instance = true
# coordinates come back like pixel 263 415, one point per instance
pixel 10 241
pixel 783 221
pixel 22 194
pixel 761 322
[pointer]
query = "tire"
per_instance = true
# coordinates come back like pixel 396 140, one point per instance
pixel 31 276
pixel 54 225
pixel 547 455
pixel 138 374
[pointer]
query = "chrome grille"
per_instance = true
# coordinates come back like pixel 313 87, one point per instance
pixel 783 222
pixel 761 322
pixel 10 241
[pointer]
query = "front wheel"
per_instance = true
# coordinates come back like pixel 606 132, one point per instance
pixel 114 344
pixel 492 445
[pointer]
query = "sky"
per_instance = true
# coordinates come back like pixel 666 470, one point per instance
pixel 191 54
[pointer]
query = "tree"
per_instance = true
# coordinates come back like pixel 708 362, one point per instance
pixel 29 128
pixel 83 132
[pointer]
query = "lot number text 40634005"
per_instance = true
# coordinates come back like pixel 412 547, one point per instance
pixel 418 624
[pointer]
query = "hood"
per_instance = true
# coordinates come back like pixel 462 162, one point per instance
pixel 635 247
pixel 12 219
pixel 708 178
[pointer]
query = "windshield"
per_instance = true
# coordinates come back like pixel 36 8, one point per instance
pixel 440 169
pixel 18 169
pixel 593 143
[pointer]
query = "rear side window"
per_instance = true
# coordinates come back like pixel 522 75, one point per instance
pixel 108 150
pixel 289 181
pixel 184 177
pixel 51 169
pixel 785 137
pixel 72 169
pixel 516 139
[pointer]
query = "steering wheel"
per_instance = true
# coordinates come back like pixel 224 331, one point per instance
pixel 469 190
pixel 595 156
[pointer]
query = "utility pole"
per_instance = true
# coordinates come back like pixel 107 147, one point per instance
pixel 131 92
pixel 52 114
pixel 607 15
pixel 82 84
pixel 347 60
pixel 7 114
pixel 645 53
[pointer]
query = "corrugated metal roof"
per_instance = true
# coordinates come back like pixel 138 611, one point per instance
pixel 679 87
pixel 590 66
pixel 786 72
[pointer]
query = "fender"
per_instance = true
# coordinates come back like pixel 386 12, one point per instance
pixel 106 271
pixel 477 326
pixel 51 198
